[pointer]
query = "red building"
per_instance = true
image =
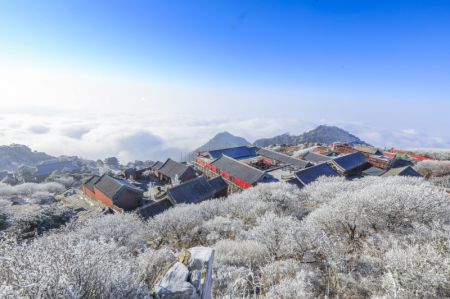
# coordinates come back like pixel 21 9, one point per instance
pixel 241 174
pixel 342 148
pixel 411 155
pixel 172 170
pixel 113 192
pixel 380 162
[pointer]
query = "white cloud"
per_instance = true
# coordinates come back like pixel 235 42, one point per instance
pixel 92 115
pixel 76 133
pixel 130 137
pixel 39 129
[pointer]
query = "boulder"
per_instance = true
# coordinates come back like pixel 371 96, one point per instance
pixel 201 264
pixel 175 285
pixel 190 277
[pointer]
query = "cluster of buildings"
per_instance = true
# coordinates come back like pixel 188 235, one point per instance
pixel 174 183
pixel 244 167
pixel 217 173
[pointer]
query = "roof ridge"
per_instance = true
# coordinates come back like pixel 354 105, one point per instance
pixel 224 148
pixel 187 182
pixel 246 165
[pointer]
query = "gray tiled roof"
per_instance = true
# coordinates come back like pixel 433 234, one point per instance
pixel 90 182
pixel 238 169
pixel 193 191
pixel 172 168
pixel 157 164
pixel 367 149
pixel 218 183
pixel 402 171
pixel 111 187
pixel 351 161
pixel 316 158
pixel 374 171
pixel 397 162
pixel 155 208
pixel 239 152
pixel 283 158
pixel 310 174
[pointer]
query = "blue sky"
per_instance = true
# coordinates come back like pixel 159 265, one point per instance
pixel 370 66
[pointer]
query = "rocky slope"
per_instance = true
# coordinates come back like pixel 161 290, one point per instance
pixel 321 134
pixel 14 155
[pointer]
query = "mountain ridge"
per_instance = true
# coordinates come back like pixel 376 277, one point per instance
pixel 321 134
pixel 14 155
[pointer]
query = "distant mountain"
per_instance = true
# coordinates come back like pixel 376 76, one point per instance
pixel 321 134
pixel 14 155
pixel 221 140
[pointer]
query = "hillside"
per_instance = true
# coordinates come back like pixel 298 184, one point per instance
pixel 321 134
pixel 14 155
pixel 291 243
pixel 221 140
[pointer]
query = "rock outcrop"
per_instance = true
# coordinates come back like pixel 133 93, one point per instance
pixel 190 277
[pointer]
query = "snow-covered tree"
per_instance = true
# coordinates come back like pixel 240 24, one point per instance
pixel 433 168
pixel 366 238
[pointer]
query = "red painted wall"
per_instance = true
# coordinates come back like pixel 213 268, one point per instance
pixel 88 192
pixel 225 174
pixel 241 183
pixel 100 196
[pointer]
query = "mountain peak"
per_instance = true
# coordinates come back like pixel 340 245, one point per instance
pixel 222 140
pixel 322 134
pixel 224 134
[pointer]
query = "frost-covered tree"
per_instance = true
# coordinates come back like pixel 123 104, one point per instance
pixel 417 271
pixel 433 168
pixel 366 238
pixel 277 234
pixel 28 189
pixel 443 181
pixel 438 154
pixel 67 266
pixel 112 162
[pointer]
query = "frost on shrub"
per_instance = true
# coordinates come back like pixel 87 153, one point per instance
pixel 277 234
pixel 443 182
pixel 433 168
pixel 234 282
pixel 67 266
pixel 178 227
pixel 221 228
pixel 358 220
pixel 382 204
pixel 241 253
pixel 154 263
pixel 272 274
pixel 291 287
pixel 435 154
pixel 28 189
pixel 327 240
pixel 285 199
pixel 236 266
pixel 25 222
pixel 125 230
pixel 420 271
pixel 67 181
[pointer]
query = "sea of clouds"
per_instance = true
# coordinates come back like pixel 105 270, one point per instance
pixel 152 137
